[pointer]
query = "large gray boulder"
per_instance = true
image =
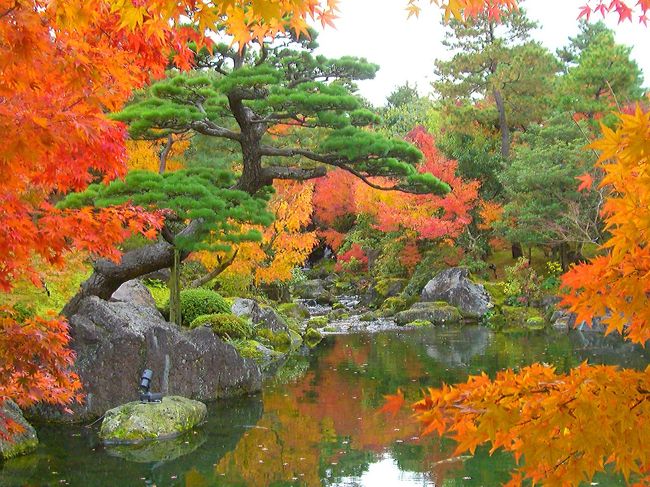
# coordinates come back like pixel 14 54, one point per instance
pixel 262 316
pixel 134 292
pixel 15 443
pixel 116 341
pixel 136 422
pixel 453 286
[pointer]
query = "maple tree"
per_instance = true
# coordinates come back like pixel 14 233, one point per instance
pixel 285 244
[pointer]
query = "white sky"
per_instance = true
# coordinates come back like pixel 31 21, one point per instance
pixel 406 49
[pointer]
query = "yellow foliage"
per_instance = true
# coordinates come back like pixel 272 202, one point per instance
pixel 145 154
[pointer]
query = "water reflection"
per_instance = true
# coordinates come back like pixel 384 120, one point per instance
pixel 316 423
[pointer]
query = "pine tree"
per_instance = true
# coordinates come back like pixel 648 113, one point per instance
pixel 497 76
pixel 291 115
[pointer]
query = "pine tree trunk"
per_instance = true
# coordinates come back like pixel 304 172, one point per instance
pixel 175 290
pixel 108 276
pixel 503 124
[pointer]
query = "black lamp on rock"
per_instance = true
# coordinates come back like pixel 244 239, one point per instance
pixel 145 384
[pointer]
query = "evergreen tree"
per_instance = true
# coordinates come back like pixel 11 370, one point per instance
pixel 291 115
pixel 496 69
pixel 247 96
pixel 599 73
pixel 202 195
pixel 544 205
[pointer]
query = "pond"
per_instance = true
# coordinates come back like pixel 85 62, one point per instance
pixel 316 422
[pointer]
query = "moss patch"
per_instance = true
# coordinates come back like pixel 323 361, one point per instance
pixel 225 325
pixel 293 310
pixel 318 322
pixel 279 340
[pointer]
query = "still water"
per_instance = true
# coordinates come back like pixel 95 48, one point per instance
pixel 316 421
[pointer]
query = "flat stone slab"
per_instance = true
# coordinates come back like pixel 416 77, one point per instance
pixel 136 422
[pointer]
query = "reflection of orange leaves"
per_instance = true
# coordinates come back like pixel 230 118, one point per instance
pixel 394 403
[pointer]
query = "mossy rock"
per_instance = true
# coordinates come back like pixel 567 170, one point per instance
pixel 296 339
pixel 296 311
pixel 313 336
pixel 368 316
pixel 388 288
pixel 437 313
pixel 279 340
pixel 318 322
pixel 521 316
pixel 135 422
pixel 225 325
pixel 15 444
pixel 254 350
pixel 330 329
pixel 393 305
pixel 336 314
pixel 420 323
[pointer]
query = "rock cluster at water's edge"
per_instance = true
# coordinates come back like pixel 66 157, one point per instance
pixel 135 422
pixel 453 286
pixel 116 341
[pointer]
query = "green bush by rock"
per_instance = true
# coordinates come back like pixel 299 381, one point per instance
pixel 197 302
pixel 225 325
pixel 135 422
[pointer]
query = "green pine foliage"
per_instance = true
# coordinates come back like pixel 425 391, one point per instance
pixel 202 194
pixel 243 97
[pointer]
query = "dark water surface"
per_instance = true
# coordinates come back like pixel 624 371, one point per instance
pixel 316 422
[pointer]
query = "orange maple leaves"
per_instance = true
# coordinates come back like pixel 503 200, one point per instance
pixel 616 285
pixel 565 427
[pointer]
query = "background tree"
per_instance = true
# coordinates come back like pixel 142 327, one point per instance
pixel 599 74
pixel 496 65
pixel 544 206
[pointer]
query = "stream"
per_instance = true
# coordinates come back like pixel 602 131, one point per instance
pixel 315 423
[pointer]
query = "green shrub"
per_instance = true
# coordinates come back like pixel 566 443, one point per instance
pixel 225 325
pixel 197 302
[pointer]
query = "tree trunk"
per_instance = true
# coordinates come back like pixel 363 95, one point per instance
pixel 517 251
pixel 108 276
pixel 503 124
pixel 175 290
pixel 214 272
pixel 162 167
